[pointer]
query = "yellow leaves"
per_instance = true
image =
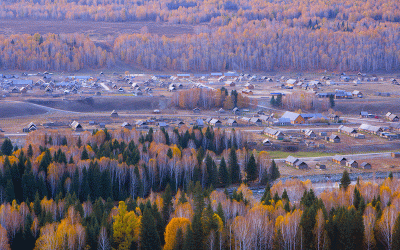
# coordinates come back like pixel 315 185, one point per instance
pixel 176 152
pixel 126 226
pixel 172 229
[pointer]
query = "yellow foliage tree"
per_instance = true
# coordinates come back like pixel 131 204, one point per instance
pixel 126 227
pixel 172 229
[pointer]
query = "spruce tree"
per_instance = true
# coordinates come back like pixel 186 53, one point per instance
pixel 223 174
pixel 149 238
pixel 7 147
pixel 275 174
pixel 251 169
pixel 189 241
pixel 234 167
pixel 167 205
pixel 345 181
pixel 85 155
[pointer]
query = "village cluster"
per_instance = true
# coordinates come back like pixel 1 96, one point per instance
pixel 271 127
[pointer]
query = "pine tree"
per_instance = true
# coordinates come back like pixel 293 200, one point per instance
pixel 7 147
pixel 149 238
pixel 266 198
pixel 234 167
pixel 275 174
pixel 251 169
pixel 272 101
pixel 85 155
pixel 278 101
pixel 79 143
pixel 10 191
pixel 179 242
pixel 345 180
pixel 223 174
pixel 167 205
pixel 332 100
pixel 189 240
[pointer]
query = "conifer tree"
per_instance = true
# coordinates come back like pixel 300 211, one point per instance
pixel 149 238
pixel 345 180
pixel 234 167
pixel 223 174
pixel 251 169
pixel 7 147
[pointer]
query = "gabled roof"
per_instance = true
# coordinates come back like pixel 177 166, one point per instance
pixel 126 124
pixel 231 121
pixel 291 115
pixel 347 129
pixel 272 131
pixel 339 158
pixel 255 120
pixel 214 121
pixel 200 122
pixel 76 125
pixel 291 159
pixel 370 128
pixel 333 136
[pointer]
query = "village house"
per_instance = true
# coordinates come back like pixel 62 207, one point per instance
pixel 255 120
pixel 232 122
pixel 365 165
pixel 364 114
pixel 347 130
pixel 200 123
pixel 339 160
pixel 267 142
pixel 370 129
pixel 76 126
pixel 294 118
pixel 310 134
pixel 299 164
pixel 352 164
pixel 236 110
pixel 230 84
pixel 249 86
pixel 334 138
pixel 333 118
pixel 31 127
pixel 196 110
pixel 215 122
pixel 320 166
pixel 126 125
pixel 392 117
pixel 247 92
pixel 114 113
pixel 276 134
pixel 357 93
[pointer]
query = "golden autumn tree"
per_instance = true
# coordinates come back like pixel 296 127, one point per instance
pixel 172 229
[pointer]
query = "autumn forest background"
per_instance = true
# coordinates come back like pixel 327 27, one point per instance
pixel 227 35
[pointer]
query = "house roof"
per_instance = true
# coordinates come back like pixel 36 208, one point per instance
pixel 291 115
pixel 231 121
pixel 200 122
pixel 76 124
pixel 272 131
pixel 255 119
pixel 309 132
pixel 347 129
pixel 339 158
pixel 364 164
pixel 291 159
pixel 125 124
pixel 333 136
pixel 364 113
pixel 351 162
pixel 214 121
pixel 371 128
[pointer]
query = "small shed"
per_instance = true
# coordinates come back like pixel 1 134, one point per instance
pixel 126 125
pixel 267 142
pixel 232 122
pixel 320 166
pixel 301 165
pixel 76 126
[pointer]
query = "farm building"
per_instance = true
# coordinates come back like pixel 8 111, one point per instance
pixel 309 133
pixel 301 165
pixel 295 118
pixel 141 124
pixel 339 160
pixel 114 113
pixel 291 82
pixel 347 130
pixel 247 92
pixel 290 160
pixel 334 138
pixel 162 124
pixel 282 122
pixel 392 117
pixel 230 84
pixel 221 111
pixel 232 123
pixel 370 129
pixel 352 164
pixel 394 127
pixel 126 125
pixel 320 166
pixel 276 134
pixel 76 126
pixel 365 165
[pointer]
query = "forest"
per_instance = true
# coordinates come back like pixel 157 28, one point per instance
pixel 157 190
pixel 243 35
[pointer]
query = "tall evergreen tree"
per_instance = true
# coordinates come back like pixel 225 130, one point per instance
pixel 7 147
pixel 149 238
pixel 223 174
pixel 275 174
pixel 251 169
pixel 345 180
pixel 234 167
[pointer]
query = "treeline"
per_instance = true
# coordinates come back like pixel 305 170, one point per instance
pixel 305 13
pixel 103 167
pixel 57 52
pixel 211 98
pixel 266 46
pixel 243 46
pixel 288 216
